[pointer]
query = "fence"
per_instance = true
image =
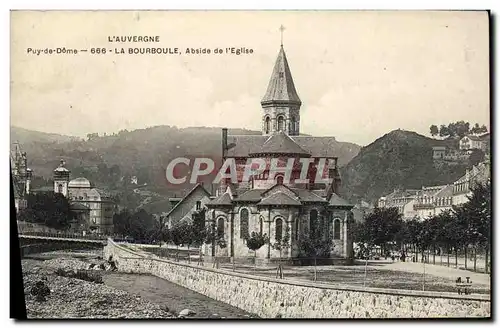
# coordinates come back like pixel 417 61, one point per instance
pixel 475 262
pixel 62 235
pixel 361 274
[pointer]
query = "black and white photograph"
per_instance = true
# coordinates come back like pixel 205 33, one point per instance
pixel 244 165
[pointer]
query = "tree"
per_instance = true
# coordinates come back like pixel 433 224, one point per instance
pixel 199 230
pixel 49 209
pixel 255 242
pixel 381 226
pixel 215 238
pixel 461 129
pixel 444 131
pixel 477 156
pixel 413 228
pixel 457 129
pixel 434 130
pixel 121 223
pixel 281 244
pixel 482 129
pixel 314 246
pixel 474 218
pixel 180 235
pixel 447 234
pixel 475 129
pixel 428 236
pixel 140 225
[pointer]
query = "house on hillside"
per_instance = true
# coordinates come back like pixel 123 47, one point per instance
pixel 449 154
pixel 475 142
pixel 438 152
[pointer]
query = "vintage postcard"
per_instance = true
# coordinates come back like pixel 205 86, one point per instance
pixel 251 164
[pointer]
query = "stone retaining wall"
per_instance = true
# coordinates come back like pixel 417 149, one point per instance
pixel 271 298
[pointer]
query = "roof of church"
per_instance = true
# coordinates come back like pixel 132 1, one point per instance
pixel 279 198
pixel 308 196
pixel 224 199
pixel 280 143
pixel 281 87
pixel 248 144
pixel 336 200
pixel 252 195
pixel 255 195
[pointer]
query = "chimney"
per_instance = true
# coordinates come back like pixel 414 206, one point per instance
pixel 224 142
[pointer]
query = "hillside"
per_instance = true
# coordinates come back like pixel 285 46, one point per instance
pixel 399 159
pixel 24 136
pixel 111 160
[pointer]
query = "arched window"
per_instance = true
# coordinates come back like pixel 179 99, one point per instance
pixel 336 229
pixel 292 124
pixel 313 218
pixel 267 125
pixel 281 123
pixel 261 225
pixel 279 229
pixel 220 227
pixel 244 223
pixel 60 188
pixel 279 179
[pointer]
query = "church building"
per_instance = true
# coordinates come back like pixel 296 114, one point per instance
pixel 277 207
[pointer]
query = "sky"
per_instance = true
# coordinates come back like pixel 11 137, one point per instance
pixel 359 74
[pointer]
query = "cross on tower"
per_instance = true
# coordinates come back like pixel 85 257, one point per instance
pixel 282 28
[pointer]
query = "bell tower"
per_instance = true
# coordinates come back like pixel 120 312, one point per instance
pixel 61 179
pixel 281 103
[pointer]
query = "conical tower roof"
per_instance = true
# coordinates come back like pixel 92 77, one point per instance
pixel 281 88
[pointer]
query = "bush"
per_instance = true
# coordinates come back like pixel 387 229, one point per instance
pixel 40 291
pixel 86 275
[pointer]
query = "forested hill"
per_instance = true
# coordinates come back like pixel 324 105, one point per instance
pixel 399 159
pixel 143 153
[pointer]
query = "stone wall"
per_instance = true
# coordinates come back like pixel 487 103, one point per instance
pixel 271 298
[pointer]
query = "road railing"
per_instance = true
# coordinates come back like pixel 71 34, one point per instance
pixel 63 235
